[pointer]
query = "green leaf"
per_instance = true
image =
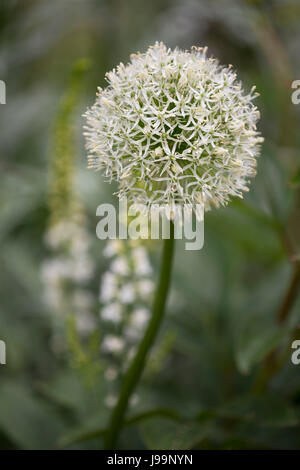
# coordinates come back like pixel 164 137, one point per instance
pixel 295 181
pixel 253 346
pixel 68 390
pixel 25 419
pixel 92 431
pixel 164 433
pixel 266 410
pixel 80 435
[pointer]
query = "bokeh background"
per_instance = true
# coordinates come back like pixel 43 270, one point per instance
pixel 220 375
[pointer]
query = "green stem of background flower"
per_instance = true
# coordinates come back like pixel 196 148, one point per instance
pixel 137 366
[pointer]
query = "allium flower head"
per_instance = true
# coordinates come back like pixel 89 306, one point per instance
pixel 174 127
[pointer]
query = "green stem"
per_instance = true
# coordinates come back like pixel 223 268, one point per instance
pixel 135 370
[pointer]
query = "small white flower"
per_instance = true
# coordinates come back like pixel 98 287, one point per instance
pixel 145 287
pixel 82 269
pixel 113 247
pixel 111 312
pixel 141 261
pixel 120 266
pixel 56 269
pixel 127 294
pixel 139 318
pixel 60 233
pixel 79 243
pixel 108 287
pixel 112 344
pixel 134 399
pixel 136 324
pixel 110 401
pixel 111 374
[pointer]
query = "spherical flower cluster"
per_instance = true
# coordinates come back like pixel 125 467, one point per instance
pixel 174 127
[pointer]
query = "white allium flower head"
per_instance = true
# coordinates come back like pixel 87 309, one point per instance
pixel 174 127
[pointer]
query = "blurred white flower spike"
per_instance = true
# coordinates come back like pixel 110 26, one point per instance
pixel 174 127
pixel 66 273
pixel 126 292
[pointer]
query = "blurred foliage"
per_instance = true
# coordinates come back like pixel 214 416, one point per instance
pixel 61 192
pixel 221 375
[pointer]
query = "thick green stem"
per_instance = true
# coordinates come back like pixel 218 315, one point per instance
pixel 135 370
